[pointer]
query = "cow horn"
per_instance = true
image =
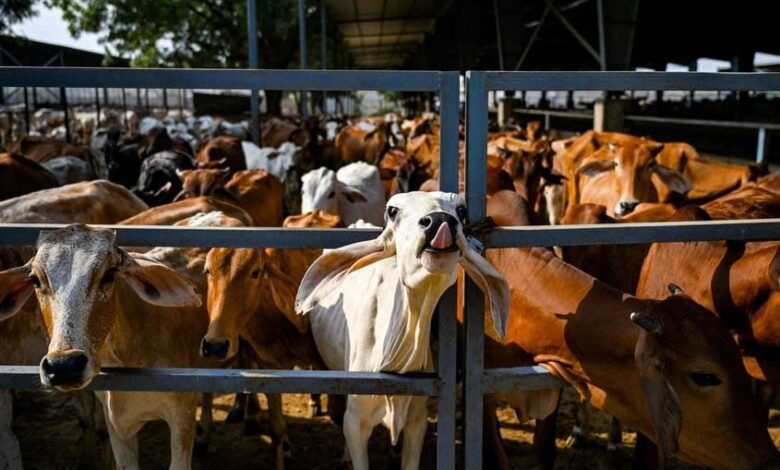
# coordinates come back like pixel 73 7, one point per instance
pixel 649 324
pixel 674 289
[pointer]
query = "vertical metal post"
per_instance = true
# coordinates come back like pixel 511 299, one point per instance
pixel 304 61
pixel 97 107
pixel 165 101
pixel 449 96
pixel 323 54
pixel 254 62
pixel 138 105
pixel 499 41
pixel 476 169
pixel 602 35
pixel 762 146
pixel 124 108
pixel 64 102
pixel 26 112
pixel 181 103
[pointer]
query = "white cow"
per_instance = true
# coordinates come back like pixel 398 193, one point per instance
pixel 354 193
pixel 69 170
pixel 370 306
pixel 275 161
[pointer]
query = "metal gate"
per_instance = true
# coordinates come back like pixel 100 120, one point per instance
pixel 441 384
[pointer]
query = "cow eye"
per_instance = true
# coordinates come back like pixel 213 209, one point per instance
pixel 392 211
pixel 651 164
pixel 332 195
pixel 34 281
pixel 255 274
pixel 704 379
pixel 462 213
pixel 108 276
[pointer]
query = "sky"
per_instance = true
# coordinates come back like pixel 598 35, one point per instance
pixel 48 26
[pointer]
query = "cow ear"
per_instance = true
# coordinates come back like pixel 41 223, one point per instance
pixel 351 194
pixel 662 402
pixel 16 286
pixel 156 283
pixel 327 272
pixel 491 283
pixel 283 291
pixel 594 167
pixel 674 180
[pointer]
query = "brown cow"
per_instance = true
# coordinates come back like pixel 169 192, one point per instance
pixel 275 132
pixel 401 173
pixel 355 144
pixel 100 200
pixel 223 151
pixel 770 182
pixel 629 175
pixel 23 336
pixel 19 175
pixel 735 280
pixel 664 367
pixel 105 306
pixel 169 214
pixel 256 191
pixel 251 295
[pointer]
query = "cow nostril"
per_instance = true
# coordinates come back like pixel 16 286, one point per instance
pixel 216 349
pixel 426 221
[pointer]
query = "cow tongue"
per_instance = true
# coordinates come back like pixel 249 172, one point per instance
pixel 443 238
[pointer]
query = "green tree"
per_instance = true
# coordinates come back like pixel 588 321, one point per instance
pixel 195 33
pixel 14 11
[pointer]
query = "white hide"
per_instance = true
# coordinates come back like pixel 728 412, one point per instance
pixel 331 129
pixel 354 193
pixel 275 161
pixel 147 124
pixel 69 170
pixel 371 304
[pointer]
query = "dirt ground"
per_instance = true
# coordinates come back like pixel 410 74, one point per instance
pixel 50 435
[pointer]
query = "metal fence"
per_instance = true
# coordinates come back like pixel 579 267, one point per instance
pixel 442 383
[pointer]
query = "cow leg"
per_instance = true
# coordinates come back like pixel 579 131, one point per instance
pixel 645 454
pixel 205 425
pixel 252 425
pixel 615 443
pixel 10 455
pixel 544 439
pixel 493 454
pixel 414 433
pixel 279 437
pixel 337 405
pixel 579 433
pixel 357 431
pixel 315 404
pixel 125 449
pixel 182 425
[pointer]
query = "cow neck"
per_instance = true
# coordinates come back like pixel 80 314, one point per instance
pixel 584 321
pixel 406 344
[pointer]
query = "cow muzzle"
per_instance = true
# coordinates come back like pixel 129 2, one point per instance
pixel 217 349
pixel 625 207
pixel 440 232
pixel 65 370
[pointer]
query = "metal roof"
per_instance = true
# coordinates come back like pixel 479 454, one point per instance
pixel 382 33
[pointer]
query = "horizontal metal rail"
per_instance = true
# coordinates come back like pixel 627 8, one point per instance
pixel 621 81
pixel 586 116
pixel 502 237
pixel 221 79
pixel 234 380
pixel 519 379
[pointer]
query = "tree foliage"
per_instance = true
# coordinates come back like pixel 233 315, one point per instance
pixel 14 11
pixel 191 33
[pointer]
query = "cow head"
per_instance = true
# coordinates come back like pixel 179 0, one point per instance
pixel 203 183
pixel 633 166
pixel 75 275
pixel 242 284
pixel 320 189
pixel 697 395
pixel 424 234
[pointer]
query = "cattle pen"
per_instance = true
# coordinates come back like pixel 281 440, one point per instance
pixel 442 384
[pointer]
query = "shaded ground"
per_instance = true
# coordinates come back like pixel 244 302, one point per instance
pixel 50 437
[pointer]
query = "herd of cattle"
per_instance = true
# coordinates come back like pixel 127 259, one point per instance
pixel 678 341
